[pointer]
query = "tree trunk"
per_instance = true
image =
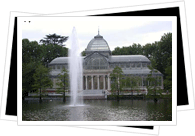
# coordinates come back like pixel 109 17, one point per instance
pixel 118 97
pixel 64 98
pixel 40 99
pixel 155 100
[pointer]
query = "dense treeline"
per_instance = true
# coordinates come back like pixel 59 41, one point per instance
pixel 36 56
pixel 34 52
pixel 159 52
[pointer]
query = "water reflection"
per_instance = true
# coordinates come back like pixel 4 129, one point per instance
pixel 98 110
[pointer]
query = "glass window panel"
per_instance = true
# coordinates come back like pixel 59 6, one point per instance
pixel 122 65
pixel 144 65
pixel 133 65
pixel 97 62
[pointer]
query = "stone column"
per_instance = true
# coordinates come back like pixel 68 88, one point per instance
pixel 98 82
pixel 104 82
pixel 54 83
pixel 86 82
pixel 142 83
pixel 92 82
pixel 83 84
pixel 108 81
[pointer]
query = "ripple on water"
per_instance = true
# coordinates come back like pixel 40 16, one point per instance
pixel 98 110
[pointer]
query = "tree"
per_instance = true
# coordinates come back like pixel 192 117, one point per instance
pixel 132 83
pixel 164 53
pixel 152 87
pixel 42 79
pixel 28 69
pixel 54 39
pixel 31 51
pixel 83 53
pixel 117 79
pixel 52 51
pixel 63 82
pixel 168 80
pixel 149 50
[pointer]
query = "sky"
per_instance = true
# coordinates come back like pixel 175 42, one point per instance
pixel 117 31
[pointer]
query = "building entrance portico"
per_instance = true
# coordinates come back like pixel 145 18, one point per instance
pixel 96 80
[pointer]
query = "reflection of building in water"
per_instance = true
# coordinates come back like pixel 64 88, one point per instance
pixel 99 63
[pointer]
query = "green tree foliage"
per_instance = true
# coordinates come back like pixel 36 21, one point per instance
pixel 83 53
pixel 160 52
pixel 168 80
pixel 131 50
pixel 51 52
pixel 132 83
pixel 28 69
pixel 117 79
pixel 164 55
pixel 34 54
pixel 54 39
pixel 153 88
pixel 31 51
pixel 150 50
pixel 41 79
pixel 62 82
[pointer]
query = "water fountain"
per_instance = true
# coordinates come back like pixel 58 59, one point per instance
pixel 75 71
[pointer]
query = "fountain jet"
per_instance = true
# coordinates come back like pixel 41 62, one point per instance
pixel 75 71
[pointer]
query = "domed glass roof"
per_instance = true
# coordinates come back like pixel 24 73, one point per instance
pixel 98 43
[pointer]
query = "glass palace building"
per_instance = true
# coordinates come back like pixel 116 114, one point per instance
pixel 99 63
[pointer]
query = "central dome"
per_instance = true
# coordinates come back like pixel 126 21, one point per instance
pixel 98 43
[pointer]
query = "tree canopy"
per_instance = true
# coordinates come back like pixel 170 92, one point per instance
pixel 34 52
pixel 54 39
pixel 117 80
pixel 41 79
pixel 63 82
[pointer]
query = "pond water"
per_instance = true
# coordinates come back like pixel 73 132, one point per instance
pixel 98 110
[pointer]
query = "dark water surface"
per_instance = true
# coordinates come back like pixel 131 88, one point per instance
pixel 98 110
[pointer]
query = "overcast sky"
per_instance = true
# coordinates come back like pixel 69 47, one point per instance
pixel 117 31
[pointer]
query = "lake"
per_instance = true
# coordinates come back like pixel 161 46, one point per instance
pixel 98 110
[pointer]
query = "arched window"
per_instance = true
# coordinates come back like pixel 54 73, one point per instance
pixel 96 62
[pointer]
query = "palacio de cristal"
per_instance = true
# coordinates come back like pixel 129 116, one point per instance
pixel 99 63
